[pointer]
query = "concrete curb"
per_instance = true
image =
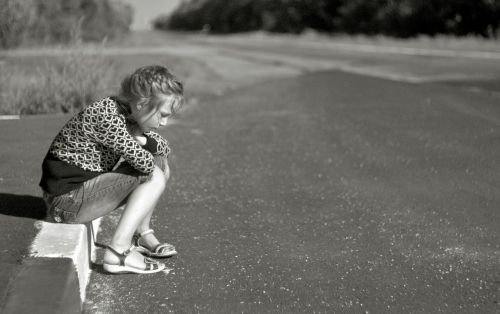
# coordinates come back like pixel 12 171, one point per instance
pixel 53 279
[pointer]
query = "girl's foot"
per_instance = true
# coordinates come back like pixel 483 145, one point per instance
pixel 129 261
pixel 148 244
pixel 148 239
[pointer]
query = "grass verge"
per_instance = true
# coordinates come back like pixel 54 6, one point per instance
pixel 58 84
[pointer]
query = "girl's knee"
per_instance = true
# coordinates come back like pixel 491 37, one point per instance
pixel 158 178
pixel 160 175
pixel 161 162
pixel 166 172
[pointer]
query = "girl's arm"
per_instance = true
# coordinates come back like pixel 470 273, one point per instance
pixel 156 144
pixel 137 134
pixel 151 141
pixel 112 132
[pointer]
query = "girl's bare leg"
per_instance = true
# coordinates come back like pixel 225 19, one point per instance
pixel 150 239
pixel 140 205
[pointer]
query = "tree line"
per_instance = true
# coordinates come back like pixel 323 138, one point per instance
pixel 61 21
pixel 398 18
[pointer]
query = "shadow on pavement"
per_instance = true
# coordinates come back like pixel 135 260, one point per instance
pixel 98 268
pixel 22 206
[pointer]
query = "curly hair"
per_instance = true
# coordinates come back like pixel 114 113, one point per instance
pixel 149 83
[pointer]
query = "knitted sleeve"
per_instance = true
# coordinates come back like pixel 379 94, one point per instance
pixel 111 131
pixel 156 144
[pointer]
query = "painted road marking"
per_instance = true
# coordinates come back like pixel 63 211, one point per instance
pixel 10 117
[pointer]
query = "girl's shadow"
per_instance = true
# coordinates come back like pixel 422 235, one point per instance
pixel 27 206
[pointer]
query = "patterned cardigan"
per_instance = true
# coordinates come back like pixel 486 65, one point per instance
pixel 91 143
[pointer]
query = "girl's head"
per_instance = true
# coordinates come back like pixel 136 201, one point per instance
pixel 152 94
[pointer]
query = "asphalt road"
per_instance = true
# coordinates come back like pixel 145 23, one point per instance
pixel 326 193
pixel 302 193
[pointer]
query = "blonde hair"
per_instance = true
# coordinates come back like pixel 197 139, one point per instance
pixel 148 84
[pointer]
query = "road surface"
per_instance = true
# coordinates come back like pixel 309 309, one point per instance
pixel 327 192
pixel 304 180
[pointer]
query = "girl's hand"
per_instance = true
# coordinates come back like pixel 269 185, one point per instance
pixel 141 139
pixel 137 134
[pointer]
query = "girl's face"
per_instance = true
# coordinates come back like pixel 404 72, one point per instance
pixel 155 114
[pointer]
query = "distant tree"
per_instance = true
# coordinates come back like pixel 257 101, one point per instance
pixel 104 19
pixel 16 16
pixel 55 20
pixel 479 17
pixel 400 18
pixel 359 16
pixel 59 21
pixel 405 18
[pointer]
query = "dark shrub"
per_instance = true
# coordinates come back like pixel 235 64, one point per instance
pixel 16 16
pixel 400 18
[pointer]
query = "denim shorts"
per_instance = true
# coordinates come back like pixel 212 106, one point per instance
pixel 98 196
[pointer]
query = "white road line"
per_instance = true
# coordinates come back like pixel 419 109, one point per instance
pixel 10 117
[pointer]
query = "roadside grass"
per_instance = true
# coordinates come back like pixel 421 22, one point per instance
pixel 58 84
pixel 71 79
pixel 161 38
pixel 423 42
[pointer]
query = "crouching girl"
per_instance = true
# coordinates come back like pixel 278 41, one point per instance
pixel 109 155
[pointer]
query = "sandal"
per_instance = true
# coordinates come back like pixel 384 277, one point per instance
pixel 161 250
pixel 152 266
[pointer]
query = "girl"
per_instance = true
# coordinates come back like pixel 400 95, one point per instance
pixel 109 155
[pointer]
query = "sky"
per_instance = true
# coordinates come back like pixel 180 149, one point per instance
pixel 146 10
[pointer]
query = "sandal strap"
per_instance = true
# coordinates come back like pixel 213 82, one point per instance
pixel 162 247
pixel 151 264
pixel 146 232
pixel 121 256
pixel 137 237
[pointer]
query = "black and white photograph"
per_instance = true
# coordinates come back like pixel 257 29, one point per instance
pixel 250 156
